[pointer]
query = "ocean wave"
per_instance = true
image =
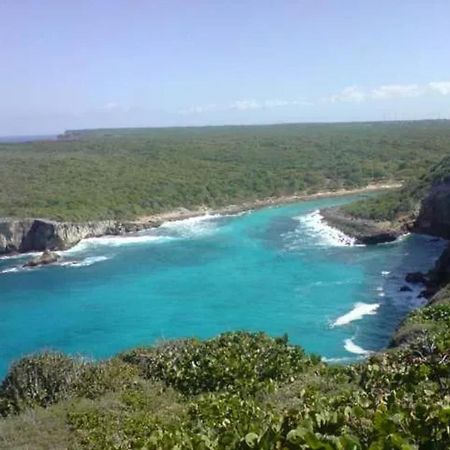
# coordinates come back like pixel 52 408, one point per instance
pixel 343 359
pixel 19 256
pixel 85 262
pixel 358 312
pixel 114 241
pixel 314 226
pixel 192 227
pixel 12 270
pixel 176 229
pixel 351 347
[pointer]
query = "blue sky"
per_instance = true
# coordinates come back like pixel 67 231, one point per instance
pixel 103 63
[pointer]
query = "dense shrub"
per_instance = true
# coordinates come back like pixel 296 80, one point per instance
pixel 97 379
pixel 240 361
pixel 39 380
pixel 249 391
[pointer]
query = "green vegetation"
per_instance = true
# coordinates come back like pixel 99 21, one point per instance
pixel 403 202
pixel 131 172
pixel 236 391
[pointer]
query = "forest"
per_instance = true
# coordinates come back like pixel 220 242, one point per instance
pixel 126 173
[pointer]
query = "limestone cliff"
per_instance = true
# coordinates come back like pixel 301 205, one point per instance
pixel 434 215
pixel 39 235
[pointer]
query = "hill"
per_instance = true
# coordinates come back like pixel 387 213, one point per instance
pixel 127 173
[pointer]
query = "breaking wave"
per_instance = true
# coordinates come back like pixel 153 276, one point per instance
pixel 314 226
pixel 168 231
pixel 85 262
pixel 358 312
pixel 192 227
pixel 351 347
pixel 114 241
pixel 12 270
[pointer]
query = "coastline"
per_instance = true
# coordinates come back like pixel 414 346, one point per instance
pixel 158 219
pixel 22 236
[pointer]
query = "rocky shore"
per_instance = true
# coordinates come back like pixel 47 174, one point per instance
pixel 367 232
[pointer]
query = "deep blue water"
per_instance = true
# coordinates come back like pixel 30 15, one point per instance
pixel 276 269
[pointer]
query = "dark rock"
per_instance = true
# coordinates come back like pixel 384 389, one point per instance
pixel 416 277
pixel 405 289
pixel 46 258
pixel 38 234
pixel 367 232
pixel 434 215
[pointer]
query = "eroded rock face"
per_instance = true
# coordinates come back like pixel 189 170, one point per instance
pixel 434 215
pixel 39 235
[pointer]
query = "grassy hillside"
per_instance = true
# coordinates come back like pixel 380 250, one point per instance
pixel 237 391
pixel 129 172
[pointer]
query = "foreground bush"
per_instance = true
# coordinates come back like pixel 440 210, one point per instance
pixel 39 381
pixel 42 380
pixel 241 362
pixel 243 391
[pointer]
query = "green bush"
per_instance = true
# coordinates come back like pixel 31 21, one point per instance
pixel 97 379
pixel 241 362
pixel 39 380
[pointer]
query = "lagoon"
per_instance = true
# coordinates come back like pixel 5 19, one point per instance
pixel 277 269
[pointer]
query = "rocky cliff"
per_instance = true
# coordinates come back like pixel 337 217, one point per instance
pixel 434 215
pixel 39 235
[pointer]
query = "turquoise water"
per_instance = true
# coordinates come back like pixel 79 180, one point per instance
pixel 276 269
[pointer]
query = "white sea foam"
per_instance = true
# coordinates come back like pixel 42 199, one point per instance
pixel 186 228
pixel 192 227
pixel 85 262
pixel 351 347
pixel 344 359
pixel 20 255
pixel 358 312
pixel 11 270
pixel 114 241
pixel 314 225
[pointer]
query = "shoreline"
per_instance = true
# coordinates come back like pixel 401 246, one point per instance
pixel 155 220
pixel 59 236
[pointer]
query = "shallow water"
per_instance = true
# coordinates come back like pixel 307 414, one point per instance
pixel 278 270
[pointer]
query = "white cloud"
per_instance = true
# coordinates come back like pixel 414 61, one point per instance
pixel 200 109
pixel 389 91
pixel 442 87
pixel 243 105
pixel 111 105
pixel 349 94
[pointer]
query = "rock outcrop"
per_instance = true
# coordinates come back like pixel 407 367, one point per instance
pixel 46 258
pixel 366 232
pixel 19 236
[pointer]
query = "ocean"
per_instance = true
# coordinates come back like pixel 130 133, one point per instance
pixel 277 269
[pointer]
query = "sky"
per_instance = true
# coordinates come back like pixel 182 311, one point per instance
pixel 70 64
